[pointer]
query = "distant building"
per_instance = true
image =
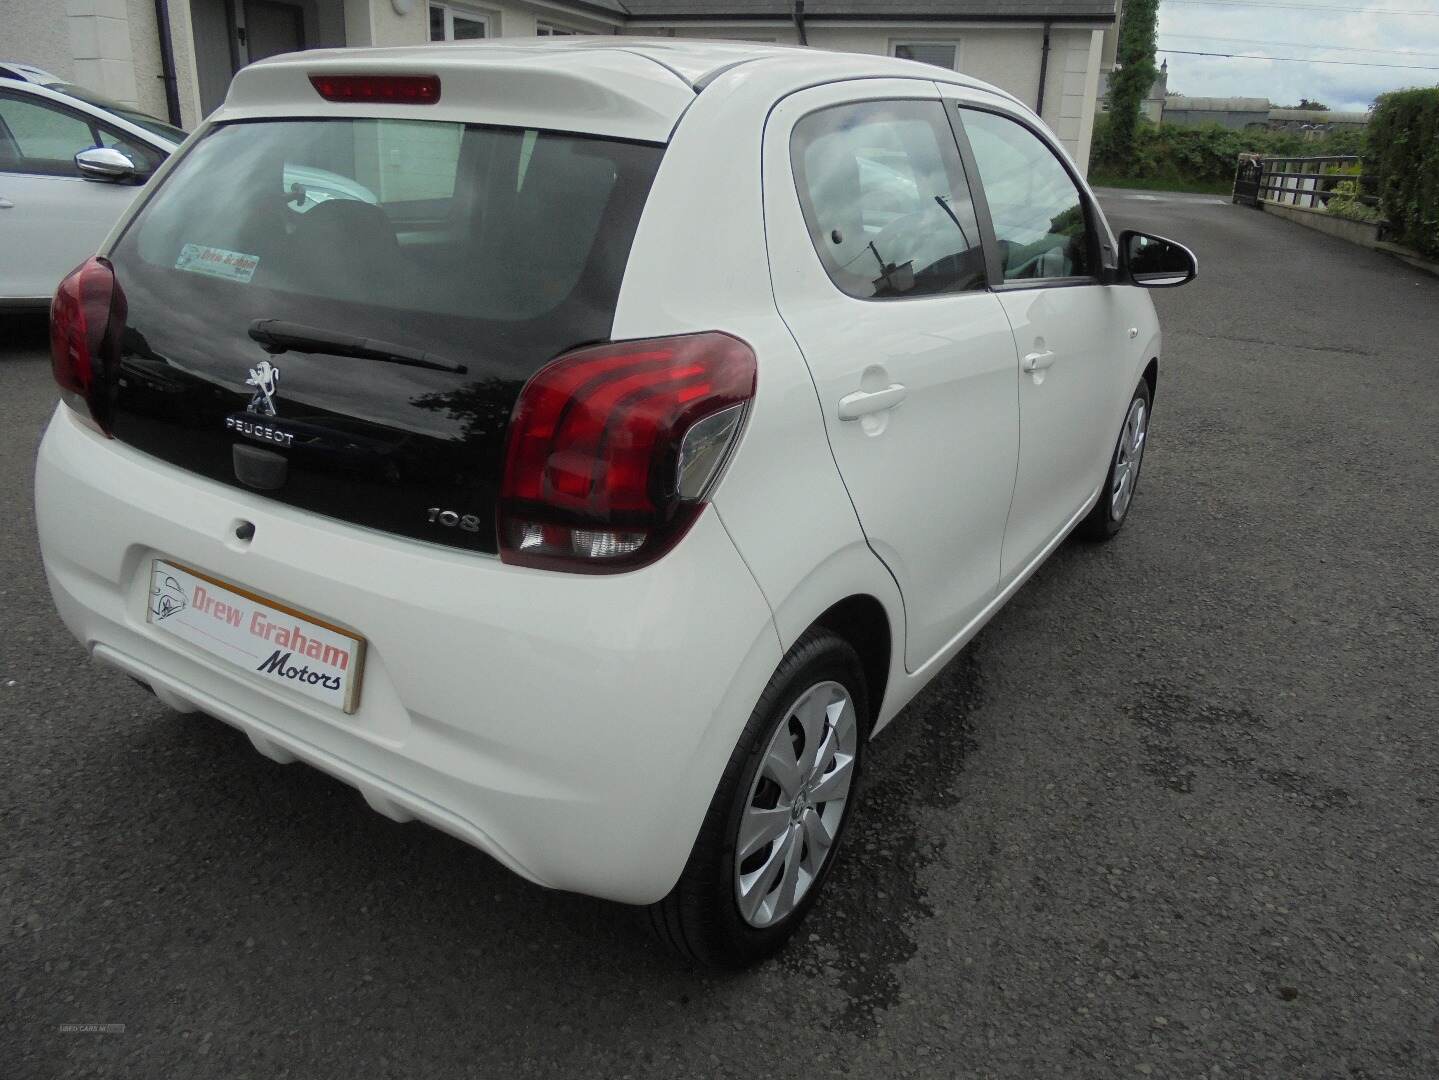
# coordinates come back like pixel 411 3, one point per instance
pixel 1239 113
pixel 1256 114
pixel 1152 107
pixel 1153 104
pixel 1316 121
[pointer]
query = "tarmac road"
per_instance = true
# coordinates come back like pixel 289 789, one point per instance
pixel 1173 814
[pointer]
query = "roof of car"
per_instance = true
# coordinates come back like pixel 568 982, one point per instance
pixel 693 61
pixel 59 92
pixel 13 69
pixel 622 87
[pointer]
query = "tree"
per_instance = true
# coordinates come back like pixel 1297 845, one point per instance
pixel 1134 74
pixel 1305 103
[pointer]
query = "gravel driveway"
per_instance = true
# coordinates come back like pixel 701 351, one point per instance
pixel 1173 814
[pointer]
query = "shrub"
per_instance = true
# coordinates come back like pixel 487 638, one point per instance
pixel 1404 148
pixel 1203 155
pixel 1344 202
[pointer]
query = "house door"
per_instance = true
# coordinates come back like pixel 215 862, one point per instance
pixel 270 28
pixel 231 33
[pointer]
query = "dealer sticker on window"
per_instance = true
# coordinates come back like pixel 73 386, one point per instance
pixel 275 643
pixel 217 262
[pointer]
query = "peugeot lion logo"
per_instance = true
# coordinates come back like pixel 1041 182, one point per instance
pixel 263 378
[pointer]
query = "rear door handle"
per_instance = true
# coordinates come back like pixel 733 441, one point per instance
pixel 863 403
pixel 6 204
pixel 1038 361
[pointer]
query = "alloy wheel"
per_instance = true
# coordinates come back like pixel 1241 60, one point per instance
pixel 1127 458
pixel 796 804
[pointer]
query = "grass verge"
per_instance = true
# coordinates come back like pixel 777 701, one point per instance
pixel 1100 178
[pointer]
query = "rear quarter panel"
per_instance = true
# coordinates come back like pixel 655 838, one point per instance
pixel 699 262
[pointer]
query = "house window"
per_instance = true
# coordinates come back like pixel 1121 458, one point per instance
pixel 449 23
pixel 545 29
pixel 943 54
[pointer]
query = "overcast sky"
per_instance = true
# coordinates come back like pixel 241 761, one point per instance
pixel 1304 27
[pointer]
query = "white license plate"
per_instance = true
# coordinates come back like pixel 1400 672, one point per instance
pixel 275 643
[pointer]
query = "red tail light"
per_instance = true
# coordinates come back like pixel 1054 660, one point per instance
pixel 379 89
pixel 87 318
pixel 613 450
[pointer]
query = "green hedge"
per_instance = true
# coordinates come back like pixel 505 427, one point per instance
pixel 1345 203
pixel 1404 149
pixel 1204 156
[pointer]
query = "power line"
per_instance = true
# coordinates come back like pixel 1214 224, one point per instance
pixel 1343 9
pixel 1298 45
pixel 1297 60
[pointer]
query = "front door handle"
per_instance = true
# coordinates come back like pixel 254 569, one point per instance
pixel 6 204
pixel 863 403
pixel 1038 361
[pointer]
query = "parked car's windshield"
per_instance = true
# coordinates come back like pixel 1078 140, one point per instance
pixel 150 123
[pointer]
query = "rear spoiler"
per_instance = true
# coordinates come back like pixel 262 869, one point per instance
pixel 605 92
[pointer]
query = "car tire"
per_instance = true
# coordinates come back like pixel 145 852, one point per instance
pixel 710 919
pixel 1121 480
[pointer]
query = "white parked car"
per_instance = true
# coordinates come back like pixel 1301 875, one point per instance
pixel 71 162
pixel 629 432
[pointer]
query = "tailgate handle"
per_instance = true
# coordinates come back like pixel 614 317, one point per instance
pixel 865 402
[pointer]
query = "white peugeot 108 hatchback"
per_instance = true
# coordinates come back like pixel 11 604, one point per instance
pixel 586 446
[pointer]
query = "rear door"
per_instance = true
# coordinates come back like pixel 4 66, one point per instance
pixel 1068 326
pixel 879 272
pixel 51 218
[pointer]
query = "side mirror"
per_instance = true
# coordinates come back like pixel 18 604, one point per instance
pixel 1153 262
pixel 105 165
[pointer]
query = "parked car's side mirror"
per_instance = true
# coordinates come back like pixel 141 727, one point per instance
pixel 106 165
pixel 1154 262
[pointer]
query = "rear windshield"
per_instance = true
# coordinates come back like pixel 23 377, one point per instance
pixel 466 222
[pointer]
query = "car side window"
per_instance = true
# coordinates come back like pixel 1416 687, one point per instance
pixel 885 197
pixel 40 138
pixel 1038 213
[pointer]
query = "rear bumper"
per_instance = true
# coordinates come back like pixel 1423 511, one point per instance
pixel 574 727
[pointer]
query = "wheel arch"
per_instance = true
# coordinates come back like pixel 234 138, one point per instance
pixel 1151 376
pixel 851 593
pixel 861 620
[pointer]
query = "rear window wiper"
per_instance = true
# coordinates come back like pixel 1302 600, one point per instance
pixel 277 336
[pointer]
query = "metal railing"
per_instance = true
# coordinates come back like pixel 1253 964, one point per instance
pixel 1298 181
